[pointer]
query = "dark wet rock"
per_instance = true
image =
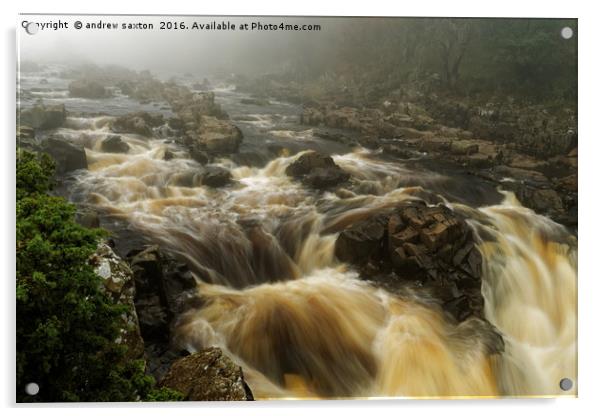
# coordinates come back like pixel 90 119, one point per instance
pixel 428 246
pixel 208 375
pixel 161 285
pixel 140 123
pixel 68 156
pixel 43 117
pixel 175 123
pixel 317 170
pixel 114 144
pixel 199 156
pixel 118 283
pixel 216 176
pixel 324 178
pixel 168 155
pixel 83 88
pixel 542 200
pixel 309 161
pixel 568 183
pixel 160 357
pixel 362 242
pixel 397 151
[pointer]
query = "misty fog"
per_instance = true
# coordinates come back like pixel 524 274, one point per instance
pixel 172 50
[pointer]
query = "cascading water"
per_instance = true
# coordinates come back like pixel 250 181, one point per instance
pixel 301 323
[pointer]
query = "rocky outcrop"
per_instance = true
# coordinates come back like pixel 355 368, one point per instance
pixel 317 171
pixel 530 129
pixel 43 117
pixel 114 144
pixel 208 375
pixel 68 156
pixel 190 107
pixel 426 246
pixel 118 283
pixel 88 88
pixel 141 123
pixel 162 287
pixel 215 136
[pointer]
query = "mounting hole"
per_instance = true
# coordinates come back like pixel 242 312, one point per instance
pixel 566 32
pixel 32 28
pixel 566 384
pixel 32 389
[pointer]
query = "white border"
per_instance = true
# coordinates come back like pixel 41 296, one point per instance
pixel 590 217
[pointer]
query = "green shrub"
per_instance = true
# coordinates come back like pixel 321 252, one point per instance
pixel 66 325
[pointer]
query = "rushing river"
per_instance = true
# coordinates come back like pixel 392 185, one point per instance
pixel 300 322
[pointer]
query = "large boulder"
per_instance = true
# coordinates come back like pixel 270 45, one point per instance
pixel 114 144
pixel 141 123
pixel 43 117
pixel 208 375
pixel 317 170
pixel 83 88
pixel 216 176
pixel 430 247
pixel 118 283
pixel 362 241
pixel 68 156
pixel 217 136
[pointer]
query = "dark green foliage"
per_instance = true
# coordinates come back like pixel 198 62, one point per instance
pixel 66 325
